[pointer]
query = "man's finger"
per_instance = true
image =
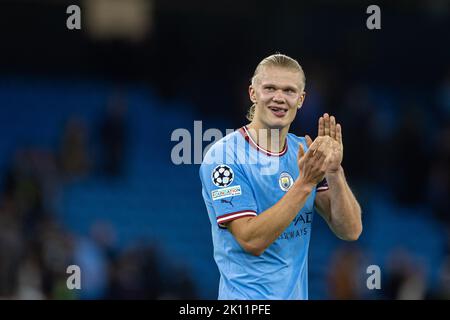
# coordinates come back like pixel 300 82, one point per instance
pixel 325 161
pixel 339 133
pixel 326 119
pixel 301 152
pixel 314 146
pixel 321 127
pixel 332 127
pixel 308 140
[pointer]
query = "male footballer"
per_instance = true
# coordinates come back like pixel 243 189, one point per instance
pixel 261 219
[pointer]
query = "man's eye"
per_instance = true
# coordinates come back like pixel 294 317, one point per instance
pixel 270 88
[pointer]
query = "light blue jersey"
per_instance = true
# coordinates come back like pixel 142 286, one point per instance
pixel 240 179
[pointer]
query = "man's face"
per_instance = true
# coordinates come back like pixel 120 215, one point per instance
pixel 278 95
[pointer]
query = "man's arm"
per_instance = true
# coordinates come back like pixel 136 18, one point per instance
pixel 339 207
pixel 255 234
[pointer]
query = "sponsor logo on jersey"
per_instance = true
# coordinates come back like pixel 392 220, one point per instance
pixel 226 192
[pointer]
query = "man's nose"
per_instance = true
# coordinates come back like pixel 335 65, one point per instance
pixel 278 96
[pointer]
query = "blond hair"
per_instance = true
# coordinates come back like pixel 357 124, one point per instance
pixel 276 60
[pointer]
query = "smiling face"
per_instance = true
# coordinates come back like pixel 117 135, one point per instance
pixel 277 93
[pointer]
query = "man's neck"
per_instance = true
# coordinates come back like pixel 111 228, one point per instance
pixel 270 139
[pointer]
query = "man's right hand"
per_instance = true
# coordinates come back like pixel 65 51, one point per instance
pixel 256 234
pixel 313 163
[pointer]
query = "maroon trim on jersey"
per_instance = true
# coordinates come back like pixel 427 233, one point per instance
pixel 249 139
pixel 322 186
pixel 234 215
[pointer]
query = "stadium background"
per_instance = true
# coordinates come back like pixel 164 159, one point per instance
pixel 86 119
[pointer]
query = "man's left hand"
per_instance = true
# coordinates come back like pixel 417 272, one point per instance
pixel 329 128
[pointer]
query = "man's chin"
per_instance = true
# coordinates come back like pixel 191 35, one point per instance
pixel 278 124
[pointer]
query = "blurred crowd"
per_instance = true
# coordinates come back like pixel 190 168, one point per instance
pixel 389 88
pixel 393 142
pixel 36 248
pixel 411 147
pixel 397 144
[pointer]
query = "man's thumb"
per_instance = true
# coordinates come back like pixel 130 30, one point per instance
pixel 301 152
pixel 308 141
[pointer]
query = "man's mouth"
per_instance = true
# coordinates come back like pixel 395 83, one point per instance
pixel 278 111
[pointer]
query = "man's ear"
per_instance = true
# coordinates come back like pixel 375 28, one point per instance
pixel 301 99
pixel 252 94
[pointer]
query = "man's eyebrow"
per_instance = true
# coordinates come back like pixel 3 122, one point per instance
pixel 269 84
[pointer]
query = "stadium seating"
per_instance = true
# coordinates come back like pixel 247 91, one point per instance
pixel 160 202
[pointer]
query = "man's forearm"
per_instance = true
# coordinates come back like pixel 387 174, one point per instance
pixel 345 213
pixel 264 229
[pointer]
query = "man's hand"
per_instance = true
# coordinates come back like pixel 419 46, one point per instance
pixel 338 206
pixel 329 128
pixel 314 162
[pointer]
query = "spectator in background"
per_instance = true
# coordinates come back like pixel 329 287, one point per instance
pixel 29 284
pixel 35 251
pixel 74 155
pixel 443 98
pixel 11 244
pixel 113 136
pixel 135 275
pixel 94 255
pixel 405 279
pixel 359 109
pixel 411 161
pixel 343 277
pixel 442 291
pixel 439 177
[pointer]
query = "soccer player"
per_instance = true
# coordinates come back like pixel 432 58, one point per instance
pixel 260 185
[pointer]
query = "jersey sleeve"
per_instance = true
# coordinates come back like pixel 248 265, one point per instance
pixel 228 190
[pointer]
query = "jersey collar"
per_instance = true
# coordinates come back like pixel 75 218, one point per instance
pixel 249 139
